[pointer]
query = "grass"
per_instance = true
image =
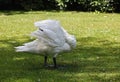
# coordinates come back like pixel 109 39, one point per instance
pixel 95 59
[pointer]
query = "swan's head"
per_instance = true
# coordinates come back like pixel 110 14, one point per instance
pixel 52 25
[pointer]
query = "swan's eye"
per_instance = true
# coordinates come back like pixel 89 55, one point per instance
pixel 40 29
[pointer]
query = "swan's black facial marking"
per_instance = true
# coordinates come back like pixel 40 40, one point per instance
pixel 40 29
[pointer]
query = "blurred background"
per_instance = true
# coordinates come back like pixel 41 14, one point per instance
pixel 67 5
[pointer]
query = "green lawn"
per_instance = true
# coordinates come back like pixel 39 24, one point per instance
pixel 95 59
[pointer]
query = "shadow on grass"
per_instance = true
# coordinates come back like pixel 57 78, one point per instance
pixel 94 58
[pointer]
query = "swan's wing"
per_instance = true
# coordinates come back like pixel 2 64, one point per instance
pixel 57 40
pixel 70 39
pixel 49 37
pixel 56 33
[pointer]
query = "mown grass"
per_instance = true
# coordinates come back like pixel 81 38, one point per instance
pixel 95 59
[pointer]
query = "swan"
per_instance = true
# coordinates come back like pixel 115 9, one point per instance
pixel 51 39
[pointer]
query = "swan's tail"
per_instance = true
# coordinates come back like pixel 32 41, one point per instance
pixel 27 47
pixel 21 49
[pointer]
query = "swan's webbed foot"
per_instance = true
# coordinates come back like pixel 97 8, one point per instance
pixel 52 66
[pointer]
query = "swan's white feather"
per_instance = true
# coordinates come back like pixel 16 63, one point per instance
pixel 51 38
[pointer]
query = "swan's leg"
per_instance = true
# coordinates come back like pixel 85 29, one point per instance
pixel 45 60
pixel 54 61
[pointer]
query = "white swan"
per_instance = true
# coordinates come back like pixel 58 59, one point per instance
pixel 51 39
